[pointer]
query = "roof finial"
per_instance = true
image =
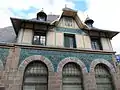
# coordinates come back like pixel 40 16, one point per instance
pixel 65 5
pixel 42 9
pixel 87 16
pixel 50 13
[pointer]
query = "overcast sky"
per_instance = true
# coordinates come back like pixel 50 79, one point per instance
pixel 105 13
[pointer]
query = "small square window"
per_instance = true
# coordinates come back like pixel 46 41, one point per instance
pixel 68 21
pixel 96 43
pixel 69 40
pixel 39 39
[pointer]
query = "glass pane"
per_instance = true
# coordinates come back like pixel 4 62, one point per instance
pixel 29 87
pixel 42 40
pixel 72 77
pixel 95 42
pixel 39 39
pixel 103 78
pixel 35 77
pixel 40 87
pixel 69 41
pixel 41 18
pixel 72 87
pixel 68 21
pixel 36 40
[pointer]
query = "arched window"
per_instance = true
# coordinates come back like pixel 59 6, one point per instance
pixel 103 78
pixel 72 77
pixel 35 76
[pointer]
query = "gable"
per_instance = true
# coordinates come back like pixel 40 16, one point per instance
pixel 68 22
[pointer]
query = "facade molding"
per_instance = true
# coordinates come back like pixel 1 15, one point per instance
pixel 110 68
pixel 74 60
pixel 41 58
pixel 102 61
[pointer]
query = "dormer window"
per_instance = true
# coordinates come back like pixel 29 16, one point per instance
pixel 68 21
pixel 41 16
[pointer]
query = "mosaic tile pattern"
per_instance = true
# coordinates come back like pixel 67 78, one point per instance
pixel 70 30
pixel 3 54
pixel 56 56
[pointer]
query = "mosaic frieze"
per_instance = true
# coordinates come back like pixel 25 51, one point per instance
pixel 70 30
pixel 3 54
pixel 56 56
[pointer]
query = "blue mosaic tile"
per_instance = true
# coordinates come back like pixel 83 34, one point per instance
pixel 3 54
pixel 56 56
pixel 70 30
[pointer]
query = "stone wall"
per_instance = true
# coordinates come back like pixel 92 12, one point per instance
pixel 17 57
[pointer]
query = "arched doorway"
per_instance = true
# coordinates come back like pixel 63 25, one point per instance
pixel 103 77
pixel 72 77
pixel 35 76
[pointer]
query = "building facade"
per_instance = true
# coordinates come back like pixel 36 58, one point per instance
pixel 58 52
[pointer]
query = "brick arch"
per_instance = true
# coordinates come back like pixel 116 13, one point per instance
pixel 1 65
pixel 71 59
pixel 102 61
pixel 41 58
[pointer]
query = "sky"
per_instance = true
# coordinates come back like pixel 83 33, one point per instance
pixel 105 13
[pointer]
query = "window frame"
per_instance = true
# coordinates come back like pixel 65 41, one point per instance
pixel 103 74
pixel 98 41
pixel 39 34
pixel 31 75
pixel 74 40
pixel 72 69
pixel 68 21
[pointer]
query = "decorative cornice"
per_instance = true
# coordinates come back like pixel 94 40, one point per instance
pixel 11 45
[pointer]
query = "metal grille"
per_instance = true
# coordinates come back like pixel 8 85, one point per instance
pixel 35 77
pixel 103 78
pixel 72 77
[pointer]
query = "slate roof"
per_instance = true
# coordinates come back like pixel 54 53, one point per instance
pixel 50 18
pixel 17 22
pixel 7 34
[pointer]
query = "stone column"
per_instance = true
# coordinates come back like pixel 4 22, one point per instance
pixel 89 81
pixel 11 73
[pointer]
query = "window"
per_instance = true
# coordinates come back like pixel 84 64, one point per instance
pixel 103 78
pixel 41 18
pixel 39 39
pixel 35 76
pixel 96 44
pixel 72 77
pixel 68 21
pixel 69 40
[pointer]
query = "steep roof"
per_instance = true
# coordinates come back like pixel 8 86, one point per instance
pixel 50 18
pixel 17 22
pixel 54 20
